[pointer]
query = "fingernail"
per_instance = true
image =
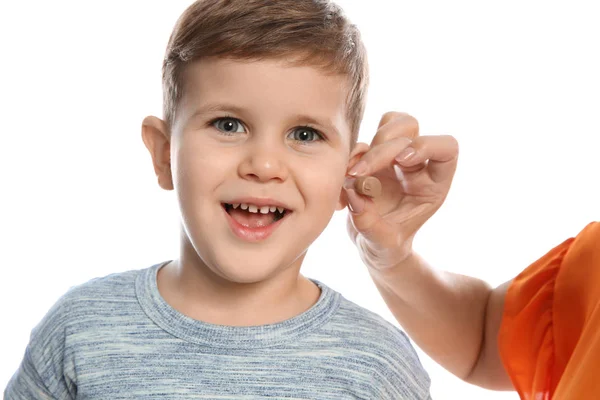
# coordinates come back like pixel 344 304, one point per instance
pixel 405 154
pixel 359 169
pixel 349 183
pixel 355 203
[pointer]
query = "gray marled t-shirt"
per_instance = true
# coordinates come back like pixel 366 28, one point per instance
pixel 116 338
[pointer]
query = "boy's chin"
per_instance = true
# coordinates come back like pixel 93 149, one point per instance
pixel 253 271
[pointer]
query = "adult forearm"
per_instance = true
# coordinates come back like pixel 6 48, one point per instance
pixel 444 313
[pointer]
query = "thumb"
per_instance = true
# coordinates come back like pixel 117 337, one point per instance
pixel 365 217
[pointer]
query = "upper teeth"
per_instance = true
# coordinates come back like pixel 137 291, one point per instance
pixel 255 209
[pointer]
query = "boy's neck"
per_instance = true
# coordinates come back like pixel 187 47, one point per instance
pixel 198 293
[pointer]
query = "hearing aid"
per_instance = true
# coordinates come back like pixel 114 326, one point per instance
pixel 367 186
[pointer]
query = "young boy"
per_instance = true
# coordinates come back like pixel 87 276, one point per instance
pixel 262 105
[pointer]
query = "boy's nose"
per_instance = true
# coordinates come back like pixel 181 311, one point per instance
pixel 264 164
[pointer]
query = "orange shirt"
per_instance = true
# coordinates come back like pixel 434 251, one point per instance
pixel 549 340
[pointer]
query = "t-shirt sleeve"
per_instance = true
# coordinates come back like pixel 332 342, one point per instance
pixel 27 383
pixel 402 375
pixel 45 371
pixel 546 312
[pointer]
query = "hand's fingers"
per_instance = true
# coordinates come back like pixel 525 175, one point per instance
pixel 366 220
pixel 389 116
pixel 394 125
pixel 380 156
pixel 440 153
pixel 352 232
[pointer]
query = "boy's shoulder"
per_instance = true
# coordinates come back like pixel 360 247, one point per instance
pixel 89 303
pixel 366 337
pixel 368 327
pixel 119 286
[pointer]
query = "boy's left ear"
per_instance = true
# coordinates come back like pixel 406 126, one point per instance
pixel 355 155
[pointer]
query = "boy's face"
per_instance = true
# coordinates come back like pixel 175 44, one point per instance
pixel 240 136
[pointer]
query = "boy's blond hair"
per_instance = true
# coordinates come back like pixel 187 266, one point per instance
pixel 302 32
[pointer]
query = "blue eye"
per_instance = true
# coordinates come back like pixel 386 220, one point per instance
pixel 305 134
pixel 228 125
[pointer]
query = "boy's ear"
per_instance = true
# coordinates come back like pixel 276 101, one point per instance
pixel 157 138
pixel 355 155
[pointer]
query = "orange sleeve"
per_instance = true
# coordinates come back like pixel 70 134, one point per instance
pixel 549 339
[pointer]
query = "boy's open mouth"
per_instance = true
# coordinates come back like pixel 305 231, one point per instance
pixel 252 216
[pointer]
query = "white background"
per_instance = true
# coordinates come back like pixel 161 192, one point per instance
pixel 517 82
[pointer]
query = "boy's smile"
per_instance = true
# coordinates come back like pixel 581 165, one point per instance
pixel 255 219
pixel 258 156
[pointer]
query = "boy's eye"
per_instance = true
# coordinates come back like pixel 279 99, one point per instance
pixel 228 125
pixel 305 134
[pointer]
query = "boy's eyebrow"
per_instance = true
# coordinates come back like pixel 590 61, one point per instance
pixel 211 107
pixel 224 107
